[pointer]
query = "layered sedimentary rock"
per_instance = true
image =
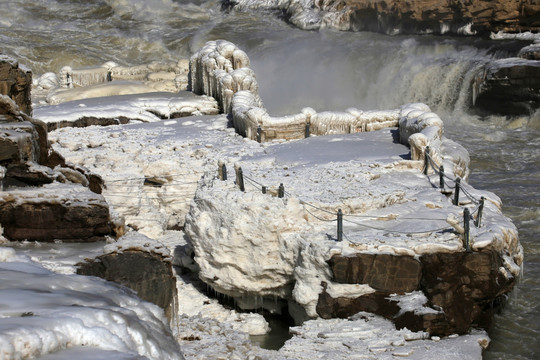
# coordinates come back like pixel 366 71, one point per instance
pixel 509 86
pixel 141 264
pixel 461 289
pixel 16 82
pixel 63 201
pixel 406 17
pixel 55 211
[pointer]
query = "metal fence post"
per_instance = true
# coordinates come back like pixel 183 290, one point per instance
pixel 307 132
pixel 240 179
pixel 478 221
pixel 466 219
pixel 339 225
pixel 441 177
pixel 456 191
pixel 223 172
pixel 259 132
pixel 264 189
pixel 281 191
pixel 426 160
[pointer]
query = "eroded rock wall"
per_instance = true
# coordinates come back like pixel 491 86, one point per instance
pixel 406 17
pixel 461 288
pixel 140 264
pixel 440 16
pixel 16 82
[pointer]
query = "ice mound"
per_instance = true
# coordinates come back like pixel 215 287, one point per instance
pixel 43 313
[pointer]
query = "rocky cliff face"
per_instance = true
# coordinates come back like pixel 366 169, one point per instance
pixel 460 289
pixel 63 203
pixel 16 82
pixel 508 86
pixel 440 16
pixel 407 17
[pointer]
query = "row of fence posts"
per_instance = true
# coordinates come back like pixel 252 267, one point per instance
pixel 455 201
pixel 281 193
pixel 240 180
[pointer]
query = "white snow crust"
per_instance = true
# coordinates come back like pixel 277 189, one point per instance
pixel 43 312
pixel 147 108
pixel 367 336
pixel 404 211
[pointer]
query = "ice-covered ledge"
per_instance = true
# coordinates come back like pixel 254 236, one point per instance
pixel 257 247
pixel 221 70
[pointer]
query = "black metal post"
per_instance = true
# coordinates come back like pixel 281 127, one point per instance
pixel 478 221
pixel 426 160
pixel 441 177
pixel 456 191
pixel 466 219
pixel 240 179
pixel 281 191
pixel 339 225
pixel 223 172
pixel 259 132
pixel 307 133
pixel 264 189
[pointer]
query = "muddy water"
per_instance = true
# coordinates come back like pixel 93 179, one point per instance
pixel 325 70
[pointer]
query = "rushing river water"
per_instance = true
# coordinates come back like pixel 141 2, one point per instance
pixel 326 70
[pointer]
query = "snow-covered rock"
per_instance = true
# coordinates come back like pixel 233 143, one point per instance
pixel 141 264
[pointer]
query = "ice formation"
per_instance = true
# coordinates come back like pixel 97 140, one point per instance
pixel 44 312
pixel 306 14
pixel 261 249
pixel 365 335
pixel 220 69
pixel 110 79
pixel 149 107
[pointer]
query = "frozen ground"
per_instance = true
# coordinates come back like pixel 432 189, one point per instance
pixel 156 172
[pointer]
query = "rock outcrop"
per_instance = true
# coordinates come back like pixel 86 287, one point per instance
pixel 141 264
pixel 460 289
pixel 63 201
pixel 55 211
pixel 509 86
pixel 407 17
pixel 16 82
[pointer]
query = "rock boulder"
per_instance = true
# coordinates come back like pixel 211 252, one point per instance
pixel 140 264
pixel 55 211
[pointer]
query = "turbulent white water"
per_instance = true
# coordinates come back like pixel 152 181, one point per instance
pixel 326 70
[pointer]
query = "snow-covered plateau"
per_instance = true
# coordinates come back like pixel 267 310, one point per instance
pixel 280 225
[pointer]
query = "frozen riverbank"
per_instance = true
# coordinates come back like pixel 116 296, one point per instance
pixel 265 158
